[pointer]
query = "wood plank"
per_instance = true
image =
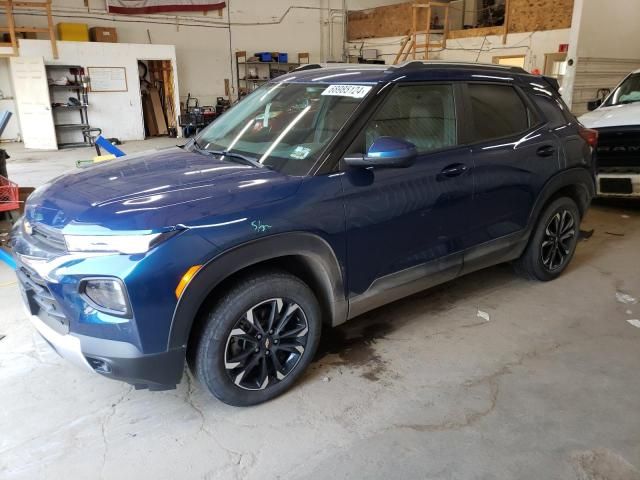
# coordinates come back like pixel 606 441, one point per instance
pixel 34 5
pixel 52 33
pixel 404 43
pixel 446 26
pixel 12 27
pixel 158 113
pixel 507 4
pixel 25 29
pixel 475 32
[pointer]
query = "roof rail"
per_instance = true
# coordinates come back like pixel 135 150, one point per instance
pixel 308 66
pixel 441 63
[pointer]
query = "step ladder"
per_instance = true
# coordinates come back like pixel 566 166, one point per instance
pixel 409 45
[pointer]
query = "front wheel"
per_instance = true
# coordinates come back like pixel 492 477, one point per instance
pixel 552 243
pixel 259 339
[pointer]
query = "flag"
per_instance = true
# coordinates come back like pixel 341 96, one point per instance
pixel 138 7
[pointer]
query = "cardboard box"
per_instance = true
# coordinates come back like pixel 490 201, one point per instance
pixel 73 32
pixel 103 34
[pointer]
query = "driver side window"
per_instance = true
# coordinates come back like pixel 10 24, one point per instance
pixel 421 114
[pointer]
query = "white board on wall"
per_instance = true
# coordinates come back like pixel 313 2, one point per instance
pixel 108 79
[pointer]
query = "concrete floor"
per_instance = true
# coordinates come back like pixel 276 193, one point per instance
pixel 547 388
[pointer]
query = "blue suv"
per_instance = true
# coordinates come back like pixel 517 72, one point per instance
pixel 325 193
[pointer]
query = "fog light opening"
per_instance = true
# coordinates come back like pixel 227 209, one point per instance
pixel 99 365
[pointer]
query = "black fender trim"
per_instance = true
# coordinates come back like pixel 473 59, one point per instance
pixel 512 246
pixel 580 177
pixel 314 251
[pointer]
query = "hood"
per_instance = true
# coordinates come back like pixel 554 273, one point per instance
pixel 616 116
pixel 154 191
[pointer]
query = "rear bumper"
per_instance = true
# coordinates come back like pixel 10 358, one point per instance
pixel 618 184
pixel 116 360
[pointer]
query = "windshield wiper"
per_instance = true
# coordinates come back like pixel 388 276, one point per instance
pixel 224 153
pixel 248 160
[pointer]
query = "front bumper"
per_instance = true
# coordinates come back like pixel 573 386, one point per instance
pixel 618 184
pixel 116 360
pixel 67 346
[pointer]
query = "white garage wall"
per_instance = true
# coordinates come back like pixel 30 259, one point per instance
pixel 202 41
pixel 104 107
pixel 604 47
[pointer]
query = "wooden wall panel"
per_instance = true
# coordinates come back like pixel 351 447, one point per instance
pixel 536 15
pixel 386 21
pixel 395 20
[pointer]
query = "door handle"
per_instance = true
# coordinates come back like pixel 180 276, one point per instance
pixel 453 170
pixel 546 151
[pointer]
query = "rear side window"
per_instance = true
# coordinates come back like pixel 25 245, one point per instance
pixel 497 111
pixel 552 109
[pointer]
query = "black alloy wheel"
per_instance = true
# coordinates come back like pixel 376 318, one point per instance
pixel 258 338
pixel 557 240
pixel 266 344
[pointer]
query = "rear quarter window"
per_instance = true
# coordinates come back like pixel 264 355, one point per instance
pixel 496 111
pixel 554 111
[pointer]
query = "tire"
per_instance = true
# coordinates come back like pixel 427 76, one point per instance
pixel 236 351
pixel 549 252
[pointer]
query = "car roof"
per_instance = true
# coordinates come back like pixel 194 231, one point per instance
pixel 354 73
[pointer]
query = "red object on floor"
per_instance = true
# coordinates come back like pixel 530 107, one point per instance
pixel 8 195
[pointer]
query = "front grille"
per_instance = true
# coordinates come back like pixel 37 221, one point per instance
pixel 619 147
pixel 40 300
pixel 50 237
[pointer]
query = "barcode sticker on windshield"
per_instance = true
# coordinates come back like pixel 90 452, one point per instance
pixel 355 91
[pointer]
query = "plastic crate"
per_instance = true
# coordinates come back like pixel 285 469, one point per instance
pixel 9 195
pixel 264 56
pixel 283 58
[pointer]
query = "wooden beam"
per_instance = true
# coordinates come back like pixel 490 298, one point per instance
pixel 446 26
pixel 506 21
pixel 405 40
pixel 52 33
pixel 12 27
pixel 25 29
pixel 414 27
pixel 409 50
pixel 34 5
pixel 427 34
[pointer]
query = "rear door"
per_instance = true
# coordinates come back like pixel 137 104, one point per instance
pixel 514 154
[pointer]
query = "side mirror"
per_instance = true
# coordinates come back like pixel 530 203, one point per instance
pixel 387 152
pixel 593 104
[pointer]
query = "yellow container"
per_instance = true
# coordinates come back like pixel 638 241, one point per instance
pixel 73 32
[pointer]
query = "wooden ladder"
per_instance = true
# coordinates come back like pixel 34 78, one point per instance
pixel 410 45
pixel 8 7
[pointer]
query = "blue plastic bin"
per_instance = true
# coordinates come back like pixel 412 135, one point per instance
pixel 283 58
pixel 264 56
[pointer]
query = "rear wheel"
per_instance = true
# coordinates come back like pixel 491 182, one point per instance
pixel 259 339
pixel 553 242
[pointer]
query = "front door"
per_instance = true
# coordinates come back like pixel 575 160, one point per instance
pixel 33 103
pixel 406 227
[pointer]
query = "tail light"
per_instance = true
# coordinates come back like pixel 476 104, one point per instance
pixel 590 136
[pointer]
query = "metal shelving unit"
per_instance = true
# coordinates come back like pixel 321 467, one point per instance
pixel 264 72
pixel 78 87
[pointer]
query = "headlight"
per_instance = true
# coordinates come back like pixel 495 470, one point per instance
pixel 106 294
pixel 128 244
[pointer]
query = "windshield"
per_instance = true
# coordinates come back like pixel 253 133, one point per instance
pixel 285 126
pixel 627 92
